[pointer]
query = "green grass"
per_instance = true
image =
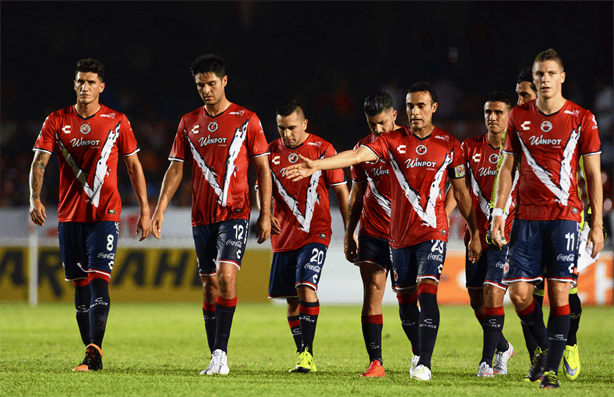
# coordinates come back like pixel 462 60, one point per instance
pixel 159 350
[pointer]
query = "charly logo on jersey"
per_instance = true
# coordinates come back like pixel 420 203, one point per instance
pixel 476 157
pixel 66 129
pixel 293 158
pixel 85 129
pixel 402 149
pixel 546 126
pixel 493 158
pixel 276 160
pixel 421 149
pixel 212 126
pixel 194 129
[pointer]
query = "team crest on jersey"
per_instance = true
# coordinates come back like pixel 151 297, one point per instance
pixel 85 129
pixel 212 126
pixel 494 158
pixel 293 158
pixel 546 126
pixel 421 149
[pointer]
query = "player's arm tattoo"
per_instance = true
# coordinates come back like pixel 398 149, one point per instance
pixel 37 173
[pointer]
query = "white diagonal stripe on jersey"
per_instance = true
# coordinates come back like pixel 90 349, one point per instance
pixel 562 193
pixel 209 174
pixel 380 198
pixel 70 160
pixel 475 187
pixel 233 153
pixel 303 220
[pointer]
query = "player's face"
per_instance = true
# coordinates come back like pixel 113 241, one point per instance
pixel 496 115
pixel 548 79
pixel 88 87
pixel 210 87
pixel 382 122
pixel 525 93
pixel 420 108
pixel 292 129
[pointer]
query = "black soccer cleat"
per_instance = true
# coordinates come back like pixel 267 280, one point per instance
pixel 550 380
pixel 538 364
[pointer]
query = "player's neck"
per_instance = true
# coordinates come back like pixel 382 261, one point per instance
pixel 551 105
pixel 424 132
pixel 87 110
pixel 495 139
pixel 218 108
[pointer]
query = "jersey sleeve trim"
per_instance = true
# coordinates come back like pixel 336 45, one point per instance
pixel 338 183
pixel 176 159
pixel 41 150
pixel 135 152
pixel 260 155
pixel 590 154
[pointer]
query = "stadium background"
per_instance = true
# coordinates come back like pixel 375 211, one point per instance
pixel 329 56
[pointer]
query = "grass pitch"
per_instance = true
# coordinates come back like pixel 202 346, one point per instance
pixel 159 350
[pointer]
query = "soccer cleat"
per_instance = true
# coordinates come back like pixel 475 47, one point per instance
pixel 422 372
pixel 485 371
pixel 84 366
pixel 414 364
pixel 95 354
pixel 375 370
pixel 218 364
pixel 500 365
pixel 537 364
pixel 549 381
pixel 305 363
pixel 571 362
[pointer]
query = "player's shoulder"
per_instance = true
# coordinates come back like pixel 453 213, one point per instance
pixel 440 135
pixel 194 113
pixel 574 110
pixel 238 110
pixel 277 145
pixel 367 139
pixel 106 112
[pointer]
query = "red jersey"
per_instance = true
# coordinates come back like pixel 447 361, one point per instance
pixel 421 168
pixel 302 207
pixel 375 216
pixel 550 148
pixel 88 153
pixel 482 167
pixel 221 147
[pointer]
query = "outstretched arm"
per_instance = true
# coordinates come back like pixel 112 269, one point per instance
pixel 265 186
pixel 592 170
pixel 170 183
pixel 137 178
pixel 38 213
pixel 344 159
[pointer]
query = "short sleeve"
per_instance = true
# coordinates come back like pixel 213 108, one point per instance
pixel 178 150
pixel 256 140
pixel 46 137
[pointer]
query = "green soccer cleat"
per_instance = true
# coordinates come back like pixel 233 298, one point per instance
pixel 305 363
pixel 571 362
pixel 549 381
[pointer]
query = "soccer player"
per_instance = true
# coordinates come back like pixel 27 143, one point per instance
pixel 89 138
pixel 422 158
pixel 221 137
pixel 547 137
pixel 484 277
pixel 301 214
pixel 527 92
pixel 370 204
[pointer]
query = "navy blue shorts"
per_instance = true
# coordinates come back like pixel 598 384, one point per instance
pixel 375 251
pixel 290 269
pixel 489 269
pixel 87 247
pixel 220 242
pixel 424 260
pixel 541 249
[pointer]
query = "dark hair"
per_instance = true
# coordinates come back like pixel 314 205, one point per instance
pixel 500 96
pixel 526 75
pixel 92 66
pixel 377 102
pixel 289 107
pixel 423 86
pixel 549 55
pixel 209 63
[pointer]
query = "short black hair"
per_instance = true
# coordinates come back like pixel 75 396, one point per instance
pixel 423 86
pixel 289 107
pixel 377 102
pixel 92 66
pixel 526 74
pixel 500 96
pixel 210 63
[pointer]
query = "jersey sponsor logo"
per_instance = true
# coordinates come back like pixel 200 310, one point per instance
pixel 442 137
pixel 574 113
pixel 238 113
pixel 476 157
pixel 105 255
pixel 293 158
pixel 413 163
pixel 110 115
pixel 483 171
pixel 525 125
pixel 66 129
pixel 85 129
pixel 421 149
pixel 379 171
pixel 212 127
pixel 276 160
pixel 565 258
pixel 546 126
pixel 317 144
pixel 493 158
pixel 234 243
pixel 194 129
pixel 204 141
pixel 311 267
pixel 76 142
pixel 435 257
pixel 539 140
pixel 402 149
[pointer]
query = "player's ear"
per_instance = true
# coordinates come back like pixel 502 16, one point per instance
pixel 394 116
pixel 434 106
pixel 305 124
pixel 224 80
pixel 102 85
pixel 563 77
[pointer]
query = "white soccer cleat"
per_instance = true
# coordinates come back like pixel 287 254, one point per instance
pixel 499 366
pixel 218 364
pixel 421 373
pixel 484 371
pixel 414 364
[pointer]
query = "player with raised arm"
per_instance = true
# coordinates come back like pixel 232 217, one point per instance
pixel 422 157
pixel 484 277
pixel 547 137
pixel 301 215
pixel 89 138
pixel 221 137
pixel 370 204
